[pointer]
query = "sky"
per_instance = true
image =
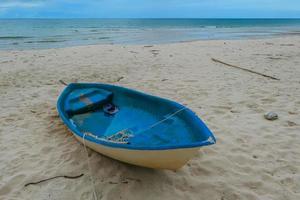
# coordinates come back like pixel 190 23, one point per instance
pixel 149 8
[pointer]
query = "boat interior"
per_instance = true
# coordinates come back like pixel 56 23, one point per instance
pixel 132 118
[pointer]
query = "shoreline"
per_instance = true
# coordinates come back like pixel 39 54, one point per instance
pixel 280 36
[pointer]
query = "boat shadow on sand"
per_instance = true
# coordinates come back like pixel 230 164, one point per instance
pixel 106 173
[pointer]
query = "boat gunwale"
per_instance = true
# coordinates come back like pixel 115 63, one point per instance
pixel 211 139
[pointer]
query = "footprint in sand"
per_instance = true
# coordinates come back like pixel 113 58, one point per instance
pixel 268 100
pixel 291 123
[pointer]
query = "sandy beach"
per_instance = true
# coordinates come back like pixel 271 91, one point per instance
pixel 253 159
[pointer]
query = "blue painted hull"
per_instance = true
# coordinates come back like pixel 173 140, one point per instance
pixel 142 125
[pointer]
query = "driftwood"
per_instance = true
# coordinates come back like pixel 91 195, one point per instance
pixel 62 82
pixel 120 78
pixel 125 181
pixel 69 177
pixel 248 70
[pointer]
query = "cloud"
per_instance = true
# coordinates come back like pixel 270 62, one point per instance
pixel 20 3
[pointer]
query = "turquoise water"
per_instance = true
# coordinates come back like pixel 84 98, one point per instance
pixel 53 33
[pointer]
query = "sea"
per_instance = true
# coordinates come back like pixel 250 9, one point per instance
pixel 56 33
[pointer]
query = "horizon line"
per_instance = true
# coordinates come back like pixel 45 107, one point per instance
pixel 279 18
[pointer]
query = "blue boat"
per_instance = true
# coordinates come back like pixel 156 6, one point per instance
pixel 132 126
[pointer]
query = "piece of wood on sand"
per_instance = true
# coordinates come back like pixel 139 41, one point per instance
pixel 68 177
pixel 248 70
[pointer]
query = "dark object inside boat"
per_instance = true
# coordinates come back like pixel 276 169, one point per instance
pixel 110 109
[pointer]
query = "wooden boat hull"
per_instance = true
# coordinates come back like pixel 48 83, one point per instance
pixel 159 159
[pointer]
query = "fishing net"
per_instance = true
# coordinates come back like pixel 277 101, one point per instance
pixel 121 137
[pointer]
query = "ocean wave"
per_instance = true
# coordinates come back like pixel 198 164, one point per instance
pixel 96 38
pixel 103 38
pixel 45 41
pixel 13 37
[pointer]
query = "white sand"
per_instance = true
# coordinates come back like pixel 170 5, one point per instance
pixel 253 158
